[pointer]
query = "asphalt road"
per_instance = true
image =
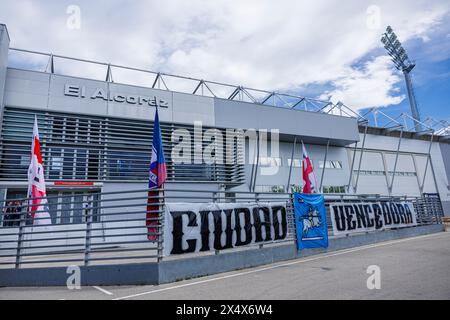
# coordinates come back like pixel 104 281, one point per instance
pixel 412 268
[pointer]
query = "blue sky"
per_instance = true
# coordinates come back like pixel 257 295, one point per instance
pixel 325 49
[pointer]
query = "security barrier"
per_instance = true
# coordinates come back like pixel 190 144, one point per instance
pixel 122 228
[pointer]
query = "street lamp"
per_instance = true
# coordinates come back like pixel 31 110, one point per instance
pixel 402 63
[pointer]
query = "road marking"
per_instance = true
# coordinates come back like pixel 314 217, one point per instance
pixel 297 261
pixel 103 290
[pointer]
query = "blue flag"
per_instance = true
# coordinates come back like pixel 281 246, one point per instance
pixel 310 221
pixel 158 170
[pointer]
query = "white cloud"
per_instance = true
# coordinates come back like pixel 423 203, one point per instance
pixel 373 85
pixel 281 45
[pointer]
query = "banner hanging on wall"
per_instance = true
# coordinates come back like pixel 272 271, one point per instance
pixel 370 216
pixel 196 227
pixel 310 221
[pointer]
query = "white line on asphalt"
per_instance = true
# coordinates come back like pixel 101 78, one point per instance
pixel 297 261
pixel 103 290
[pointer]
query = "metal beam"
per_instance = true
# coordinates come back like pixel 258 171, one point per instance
pixel 355 188
pixel 198 86
pixel 352 166
pixel 290 166
pixel 109 77
pixel 156 80
pixel 255 165
pixel 395 163
pixel 426 164
pixel 235 93
pixel 297 103
pixel 267 98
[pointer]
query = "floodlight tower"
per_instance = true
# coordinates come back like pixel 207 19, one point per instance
pixel 402 63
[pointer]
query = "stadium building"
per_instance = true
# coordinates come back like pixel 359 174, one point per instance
pixel 96 120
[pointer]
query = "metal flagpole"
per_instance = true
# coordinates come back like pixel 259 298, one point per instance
pixel 395 163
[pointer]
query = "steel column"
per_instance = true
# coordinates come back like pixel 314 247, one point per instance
pixel 352 166
pixel 292 161
pixel 324 165
pixel 428 160
pixel 355 188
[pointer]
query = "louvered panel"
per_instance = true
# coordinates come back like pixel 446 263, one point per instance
pixel 81 147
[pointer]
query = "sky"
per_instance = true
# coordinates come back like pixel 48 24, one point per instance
pixel 319 49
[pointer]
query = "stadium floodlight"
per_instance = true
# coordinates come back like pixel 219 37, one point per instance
pixel 401 61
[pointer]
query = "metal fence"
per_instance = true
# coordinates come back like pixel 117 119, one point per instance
pixel 127 226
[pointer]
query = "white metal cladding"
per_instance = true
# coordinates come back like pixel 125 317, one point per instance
pixel 80 147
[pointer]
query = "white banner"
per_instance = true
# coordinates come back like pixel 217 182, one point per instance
pixel 196 227
pixel 347 217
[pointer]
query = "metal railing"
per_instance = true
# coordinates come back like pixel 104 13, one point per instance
pixel 105 71
pixel 127 226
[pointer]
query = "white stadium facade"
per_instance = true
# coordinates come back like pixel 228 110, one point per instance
pixel 96 136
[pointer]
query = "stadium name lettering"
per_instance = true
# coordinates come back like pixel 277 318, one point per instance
pixel 362 217
pixel 99 93
pixel 222 226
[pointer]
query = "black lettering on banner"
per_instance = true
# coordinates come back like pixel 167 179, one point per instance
pixel 351 224
pixel 367 211
pixel 339 217
pixel 247 226
pixel 258 224
pixel 276 223
pixel 377 214
pixel 360 217
pixel 394 213
pixel 177 232
pixel 401 212
pixel 386 214
pixel 409 218
pixel 217 214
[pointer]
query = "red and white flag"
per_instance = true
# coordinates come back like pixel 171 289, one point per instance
pixel 36 182
pixel 309 180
